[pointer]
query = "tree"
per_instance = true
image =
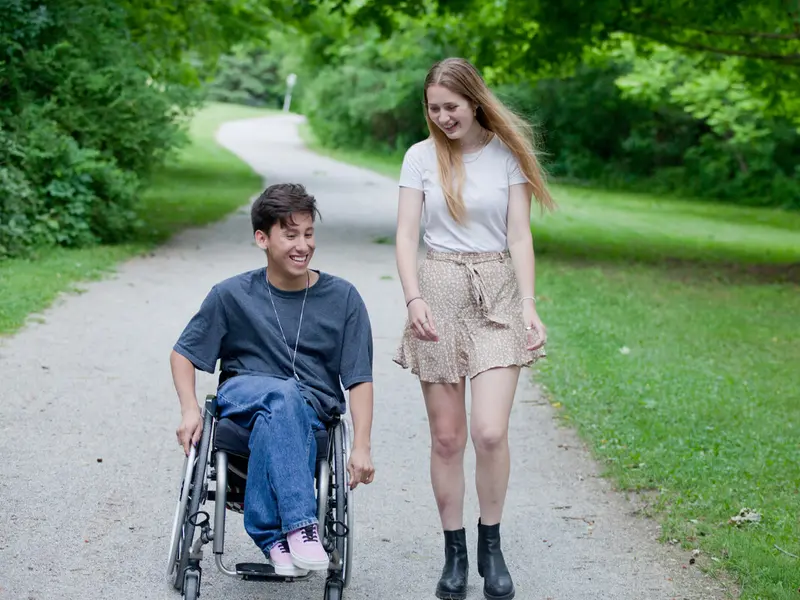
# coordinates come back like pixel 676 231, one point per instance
pixel 529 36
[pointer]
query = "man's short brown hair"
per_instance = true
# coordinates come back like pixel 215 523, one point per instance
pixel 277 204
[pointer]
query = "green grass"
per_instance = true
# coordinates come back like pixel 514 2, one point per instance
pixel 689 390
pixel 203 184
pixel 674 329
pixel 602 224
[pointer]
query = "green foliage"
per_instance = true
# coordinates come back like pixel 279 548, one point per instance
pixel 56 192
pixel 625 113
pixel 165 31
pixel 635 127
pixel 249 76
pixel 746 150
pixel 201 184
pixel 94 98
pixel 369 96
pixel 526 36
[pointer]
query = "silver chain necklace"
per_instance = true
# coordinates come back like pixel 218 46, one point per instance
pixel 299 325
pixel 485 136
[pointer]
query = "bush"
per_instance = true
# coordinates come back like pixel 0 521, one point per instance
pixel 370 98
pixel 55 192
pixel 251 77
pixel 592 133
pixel 82 125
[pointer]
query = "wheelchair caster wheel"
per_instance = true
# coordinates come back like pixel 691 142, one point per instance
pixel 333 590
pixel 191 585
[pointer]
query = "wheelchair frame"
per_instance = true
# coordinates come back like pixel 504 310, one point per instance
pixel 334 512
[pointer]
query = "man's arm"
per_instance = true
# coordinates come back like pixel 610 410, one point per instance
pixel 361 402
pixel 198 347
pixel 360 465
pixel 183 376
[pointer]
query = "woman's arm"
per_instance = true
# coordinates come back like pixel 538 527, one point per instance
pixel 409 212
pixel 520 244
pixel 520 239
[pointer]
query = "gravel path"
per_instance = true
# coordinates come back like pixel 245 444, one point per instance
pixel 90 465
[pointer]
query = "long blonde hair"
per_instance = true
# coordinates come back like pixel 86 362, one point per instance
pixel 461 77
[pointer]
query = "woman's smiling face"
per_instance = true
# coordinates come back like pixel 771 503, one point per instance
pixel 450 112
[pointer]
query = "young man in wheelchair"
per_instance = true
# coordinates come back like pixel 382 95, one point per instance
pixel 289 339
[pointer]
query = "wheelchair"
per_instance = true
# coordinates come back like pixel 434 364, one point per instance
pixel 216 471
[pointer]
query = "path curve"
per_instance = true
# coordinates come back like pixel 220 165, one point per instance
pixel 92 383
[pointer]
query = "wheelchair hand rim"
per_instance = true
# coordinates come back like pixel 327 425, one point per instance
pixel 180 511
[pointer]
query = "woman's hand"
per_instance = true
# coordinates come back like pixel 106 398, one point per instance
pixel 536 334
pixel 421 319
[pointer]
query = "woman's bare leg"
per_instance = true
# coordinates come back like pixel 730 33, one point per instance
pixel 447 417
pixel 492 398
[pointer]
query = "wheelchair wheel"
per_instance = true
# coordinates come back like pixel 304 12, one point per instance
pixel 333 590
pixel 191 585
pixel 180 511
pixel 343 499
pixel 191 517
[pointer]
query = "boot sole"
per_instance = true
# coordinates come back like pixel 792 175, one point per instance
pixel 451 595
pixel 508 596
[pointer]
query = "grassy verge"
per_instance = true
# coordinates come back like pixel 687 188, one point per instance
pixel 686 390
pixel 202 185
pixel 673 350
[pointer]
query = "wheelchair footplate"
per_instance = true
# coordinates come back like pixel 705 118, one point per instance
pixel 264 572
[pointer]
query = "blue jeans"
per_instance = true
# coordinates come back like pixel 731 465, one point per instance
pixel 280 495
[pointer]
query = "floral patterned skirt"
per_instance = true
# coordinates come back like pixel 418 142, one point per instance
pixel 477 313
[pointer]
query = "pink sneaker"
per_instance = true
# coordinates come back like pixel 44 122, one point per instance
pixel 306 550
pixel 281 560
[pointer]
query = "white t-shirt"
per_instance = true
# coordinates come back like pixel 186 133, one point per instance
pixel 488 175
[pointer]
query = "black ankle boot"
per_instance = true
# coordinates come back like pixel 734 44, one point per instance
pixel 453 582
pixel 497 583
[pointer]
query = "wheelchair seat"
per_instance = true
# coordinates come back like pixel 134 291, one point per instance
pixel 234 439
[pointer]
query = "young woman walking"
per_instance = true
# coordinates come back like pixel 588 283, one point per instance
pixel 471 304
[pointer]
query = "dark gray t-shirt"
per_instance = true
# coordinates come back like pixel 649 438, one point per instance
pixel 236 325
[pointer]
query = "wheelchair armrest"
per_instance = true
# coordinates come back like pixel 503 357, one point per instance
pixel 211 404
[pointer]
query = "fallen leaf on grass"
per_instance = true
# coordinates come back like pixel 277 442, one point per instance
pixel 745 515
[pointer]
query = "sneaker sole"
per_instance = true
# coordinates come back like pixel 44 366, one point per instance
pixel 288 571
pixel 310 565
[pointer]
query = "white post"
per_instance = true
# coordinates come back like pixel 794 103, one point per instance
pixel 291 79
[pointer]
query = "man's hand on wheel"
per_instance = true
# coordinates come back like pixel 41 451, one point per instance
pixel 190 429
pixel 360 467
